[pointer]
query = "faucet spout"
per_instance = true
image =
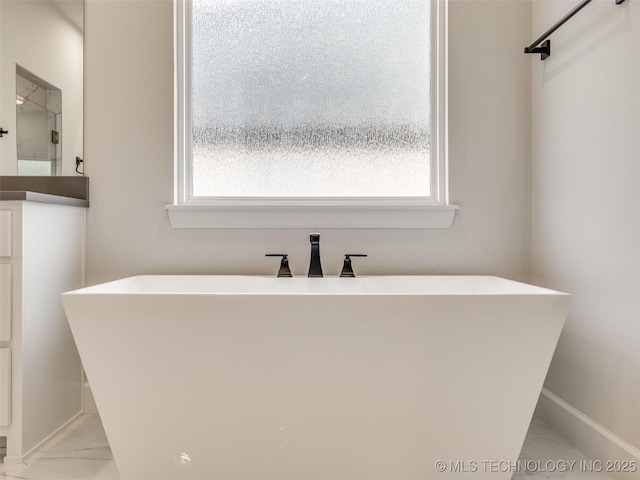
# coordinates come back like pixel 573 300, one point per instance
pixel 315 267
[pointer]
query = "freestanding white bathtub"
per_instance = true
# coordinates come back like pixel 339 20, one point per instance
pixel 370 378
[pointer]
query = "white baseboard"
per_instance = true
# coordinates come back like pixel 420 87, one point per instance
pixel 589 437
pixel 17 460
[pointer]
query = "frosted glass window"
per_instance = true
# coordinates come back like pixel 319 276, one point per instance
pixel 311 98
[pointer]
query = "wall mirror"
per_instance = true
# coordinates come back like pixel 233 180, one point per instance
pixel 38 123
pixel 41 86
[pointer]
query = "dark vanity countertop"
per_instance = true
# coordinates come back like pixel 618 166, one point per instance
pixel 73 191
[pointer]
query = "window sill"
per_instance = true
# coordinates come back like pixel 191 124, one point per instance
pixel 312 213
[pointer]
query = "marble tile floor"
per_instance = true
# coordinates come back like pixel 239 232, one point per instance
pixel 546 455
pixel 81 452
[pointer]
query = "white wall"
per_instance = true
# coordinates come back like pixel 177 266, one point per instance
pixel 586 210
pixel 129 157
pixel 38 37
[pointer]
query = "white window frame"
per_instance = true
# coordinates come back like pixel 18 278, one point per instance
pixel 309 212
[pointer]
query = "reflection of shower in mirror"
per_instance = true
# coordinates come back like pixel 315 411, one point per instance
pixel 38 121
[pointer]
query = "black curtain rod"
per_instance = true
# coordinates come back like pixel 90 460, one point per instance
pixel 545 49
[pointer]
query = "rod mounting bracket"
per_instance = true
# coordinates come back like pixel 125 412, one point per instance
pixel 544 50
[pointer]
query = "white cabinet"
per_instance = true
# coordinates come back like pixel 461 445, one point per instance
pixel 42 252
pixel 6 288
pixel 5 386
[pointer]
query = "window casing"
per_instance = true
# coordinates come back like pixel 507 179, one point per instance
pixel 339 208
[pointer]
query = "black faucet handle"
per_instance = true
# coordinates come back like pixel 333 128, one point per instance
pixel 284 264
pixel 315 265
pixel 347 269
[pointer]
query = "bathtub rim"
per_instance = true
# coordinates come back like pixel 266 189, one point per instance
pixel 212 284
